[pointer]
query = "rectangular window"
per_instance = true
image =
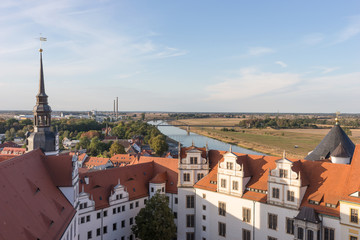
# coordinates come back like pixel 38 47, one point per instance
pixel 204 195
pixel 137 204
pixel 204 228
pixel 118 209
pixel 246 234
pixel 190 201
pixel 190 219
pixel 329 233
pixel 222 229
pixel 310 235
pixel 289 226
pixel 105 213
pixel 114 226
pixel 235 185
pixel 88 218
pixel 82 220
pixel 152 189
pixel 123 208
pixel 229 165
pixel 176 200
pixel 204 217
pixel 222 208
pixel 98 215
pixel 186 177
pixel 283 173
pixel 175 215
pixel 290 196
pixel 354 213
pixel 300 233
pixel 200 176
pixel 223 183
pixel 353 238
pixel 114 210
pixel 246 214
pixel 98 232
pixel 193 160
pixel 275 193
pixel 105 230
pixel 190 236
pixel 89 235
pixel 131 205
pixel 271 238
pixel 122 223
pixel 204 207
pixel 131 221
pixel 272 221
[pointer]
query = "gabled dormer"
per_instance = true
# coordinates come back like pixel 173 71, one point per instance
pixel 286 186
pixel 232 174
pixel 119 194
pixel 193 165
pixel 86 203
pixel 158 184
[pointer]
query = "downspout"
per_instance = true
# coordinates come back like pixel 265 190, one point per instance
pixel 321 225
pixel 253 227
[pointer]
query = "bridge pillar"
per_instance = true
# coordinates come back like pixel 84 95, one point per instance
pixel 188 130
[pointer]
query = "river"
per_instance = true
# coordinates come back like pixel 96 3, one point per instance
pixel 186 140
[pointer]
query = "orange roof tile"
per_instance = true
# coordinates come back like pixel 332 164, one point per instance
pixel 159 178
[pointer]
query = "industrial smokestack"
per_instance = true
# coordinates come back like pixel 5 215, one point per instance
pixel 117 108
pixel 114 109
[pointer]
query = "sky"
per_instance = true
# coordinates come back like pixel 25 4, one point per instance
pixel 182 56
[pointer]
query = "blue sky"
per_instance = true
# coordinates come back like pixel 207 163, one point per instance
pixel 218 56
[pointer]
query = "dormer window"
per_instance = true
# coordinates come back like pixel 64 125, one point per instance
pixel 193 160
pixel 291 196
pixel 235 185
pixel 283 173
pixel 275 192
pixel 230 165
pixel 223 183
pixel 186 177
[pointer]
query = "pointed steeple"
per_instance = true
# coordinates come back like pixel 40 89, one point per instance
pixel 41 82
pixel 42 137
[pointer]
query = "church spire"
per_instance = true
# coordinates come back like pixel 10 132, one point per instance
pixel 41 83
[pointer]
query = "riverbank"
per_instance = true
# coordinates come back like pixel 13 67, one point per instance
pixel 297 144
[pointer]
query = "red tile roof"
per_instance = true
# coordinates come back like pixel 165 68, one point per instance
pixel 13 151
pixel 31 205
pixel 9 144
pixel 159 178
pixel 95 161
pixel 325 181
pixel 135 177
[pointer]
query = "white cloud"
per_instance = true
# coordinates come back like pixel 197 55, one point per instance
pixel 351 30
pixel 313 38
pixel 250 83
pixel 325 70
pixel 257 51
pixel 281 63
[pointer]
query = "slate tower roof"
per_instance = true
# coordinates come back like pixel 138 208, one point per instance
pixel 330 142
pixel 42 137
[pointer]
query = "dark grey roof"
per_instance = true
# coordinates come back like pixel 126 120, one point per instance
pixel 308 214
pixel 332 140
pixel 340 151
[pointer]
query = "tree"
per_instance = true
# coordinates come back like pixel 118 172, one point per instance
pixel 116 148
pixel 94 147
pixel 159 144
pixel 155 221
pixel 83 143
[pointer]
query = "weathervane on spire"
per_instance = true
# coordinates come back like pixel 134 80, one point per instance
pixel 337 118
pixel 42 39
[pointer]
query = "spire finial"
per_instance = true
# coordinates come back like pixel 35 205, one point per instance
pixel 230 148
pixel 192 144
pixel 337 118
pixel 284 154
